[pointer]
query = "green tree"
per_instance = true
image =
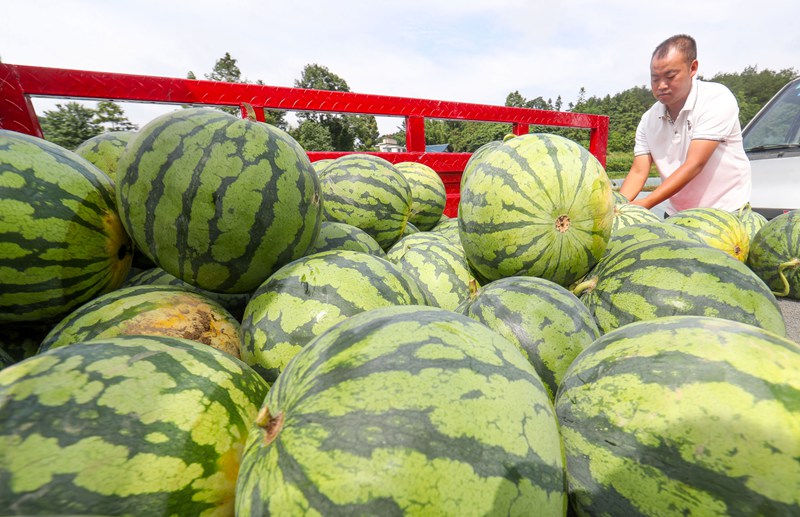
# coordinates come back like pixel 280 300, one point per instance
pixel 70 124
pixel 112 117
pixel 313 136
pixel 348 132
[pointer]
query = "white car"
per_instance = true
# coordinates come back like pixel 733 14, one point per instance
pixel 772 142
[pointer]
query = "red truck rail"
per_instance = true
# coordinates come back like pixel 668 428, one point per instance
pixel 19 83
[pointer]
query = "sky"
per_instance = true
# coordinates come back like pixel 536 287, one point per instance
pixel 460 50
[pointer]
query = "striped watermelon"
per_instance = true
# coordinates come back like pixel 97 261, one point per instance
pixel 479 155
pixel 310 295
pixel 61 240
pixel 369 193
pixel 320 165
pixel 619 199
pixel 548 323
pixel 105 150
pixel 628 214
pixel 218 201
pixel 405 411
pixel 133 425
pixel 233 303
pixel 775 254
pixel 410 229
pixel 752 221
pixel 428 195
pixel 672 277
pixel 449 228
pixel 439 268
pixel 685 415
pixel 718 228
pixel 154 310
pixel 653 230
pixel 536 205
pixel 343 236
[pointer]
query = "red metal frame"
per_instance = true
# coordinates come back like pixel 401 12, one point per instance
pixel 18 83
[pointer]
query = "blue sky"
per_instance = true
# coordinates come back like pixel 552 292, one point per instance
pixel 468 50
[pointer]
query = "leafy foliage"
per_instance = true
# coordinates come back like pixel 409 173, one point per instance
pixel 71 124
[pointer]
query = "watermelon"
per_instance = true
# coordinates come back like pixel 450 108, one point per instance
pixel 61 240
pixel 439 268
pixel 369 193
pixel 752 221
pixel 343 236
pixel 410 229
pixel 132 425
pixel 155 310
pixel 718 228
pixel 547 322
pixel 218 201
pixel 428 195
pixel 449 228
pixel 320 165
pixel 686 415
pixel 536 205
pixel 619 199
pixel 775 254
pixel 105 149
pixel 673 277
pixel 405 411
pixel 233 303
pixel 628 214
pixel 308 296
pixel 478 155
pixel 652 230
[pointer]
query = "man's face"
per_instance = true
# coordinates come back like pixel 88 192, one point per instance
pixel 671 79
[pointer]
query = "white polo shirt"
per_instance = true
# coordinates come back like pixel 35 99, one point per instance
pixel 710 113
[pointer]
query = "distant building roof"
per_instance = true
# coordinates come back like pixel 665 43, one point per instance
pixel 437 148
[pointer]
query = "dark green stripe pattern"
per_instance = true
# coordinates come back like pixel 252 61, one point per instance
pixel 428 195
pixel 686 415
pixel 343 236
pixel 627 215
pixel 778 242
pixel 133 425
pixel 718 228
pixel 217 201
pixel 105 150
pixel 405 411
pixel 310 295
pixel 547 322
pixel 536 205
pixel 369 193
pixel 649 231
pixel 61 243
pixel 671 277
pixel 439 267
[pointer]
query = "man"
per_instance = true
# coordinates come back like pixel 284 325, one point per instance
pixel 693 136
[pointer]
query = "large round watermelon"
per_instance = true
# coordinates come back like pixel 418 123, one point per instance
pixel 672 277
pixel 154 310
pixel 369 193
pixel 547 322
pixel 775 254
pixel 405 411
pixel 648 231
pixel 536 205
pixel 343 236
pixel 310 295
pixel 627 214
pixel 685 415
pixel 61 240
pixel 133 425
pixel 752 220
pixel 218 201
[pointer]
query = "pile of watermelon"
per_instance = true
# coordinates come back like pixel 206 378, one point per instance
pixel 197 320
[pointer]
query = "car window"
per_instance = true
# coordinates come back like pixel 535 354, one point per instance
pixel 779 123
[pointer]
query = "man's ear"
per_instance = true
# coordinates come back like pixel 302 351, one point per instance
pixel 693 68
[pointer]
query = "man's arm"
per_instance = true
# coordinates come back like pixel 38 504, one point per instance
pixel 636 177
pixel 696 158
